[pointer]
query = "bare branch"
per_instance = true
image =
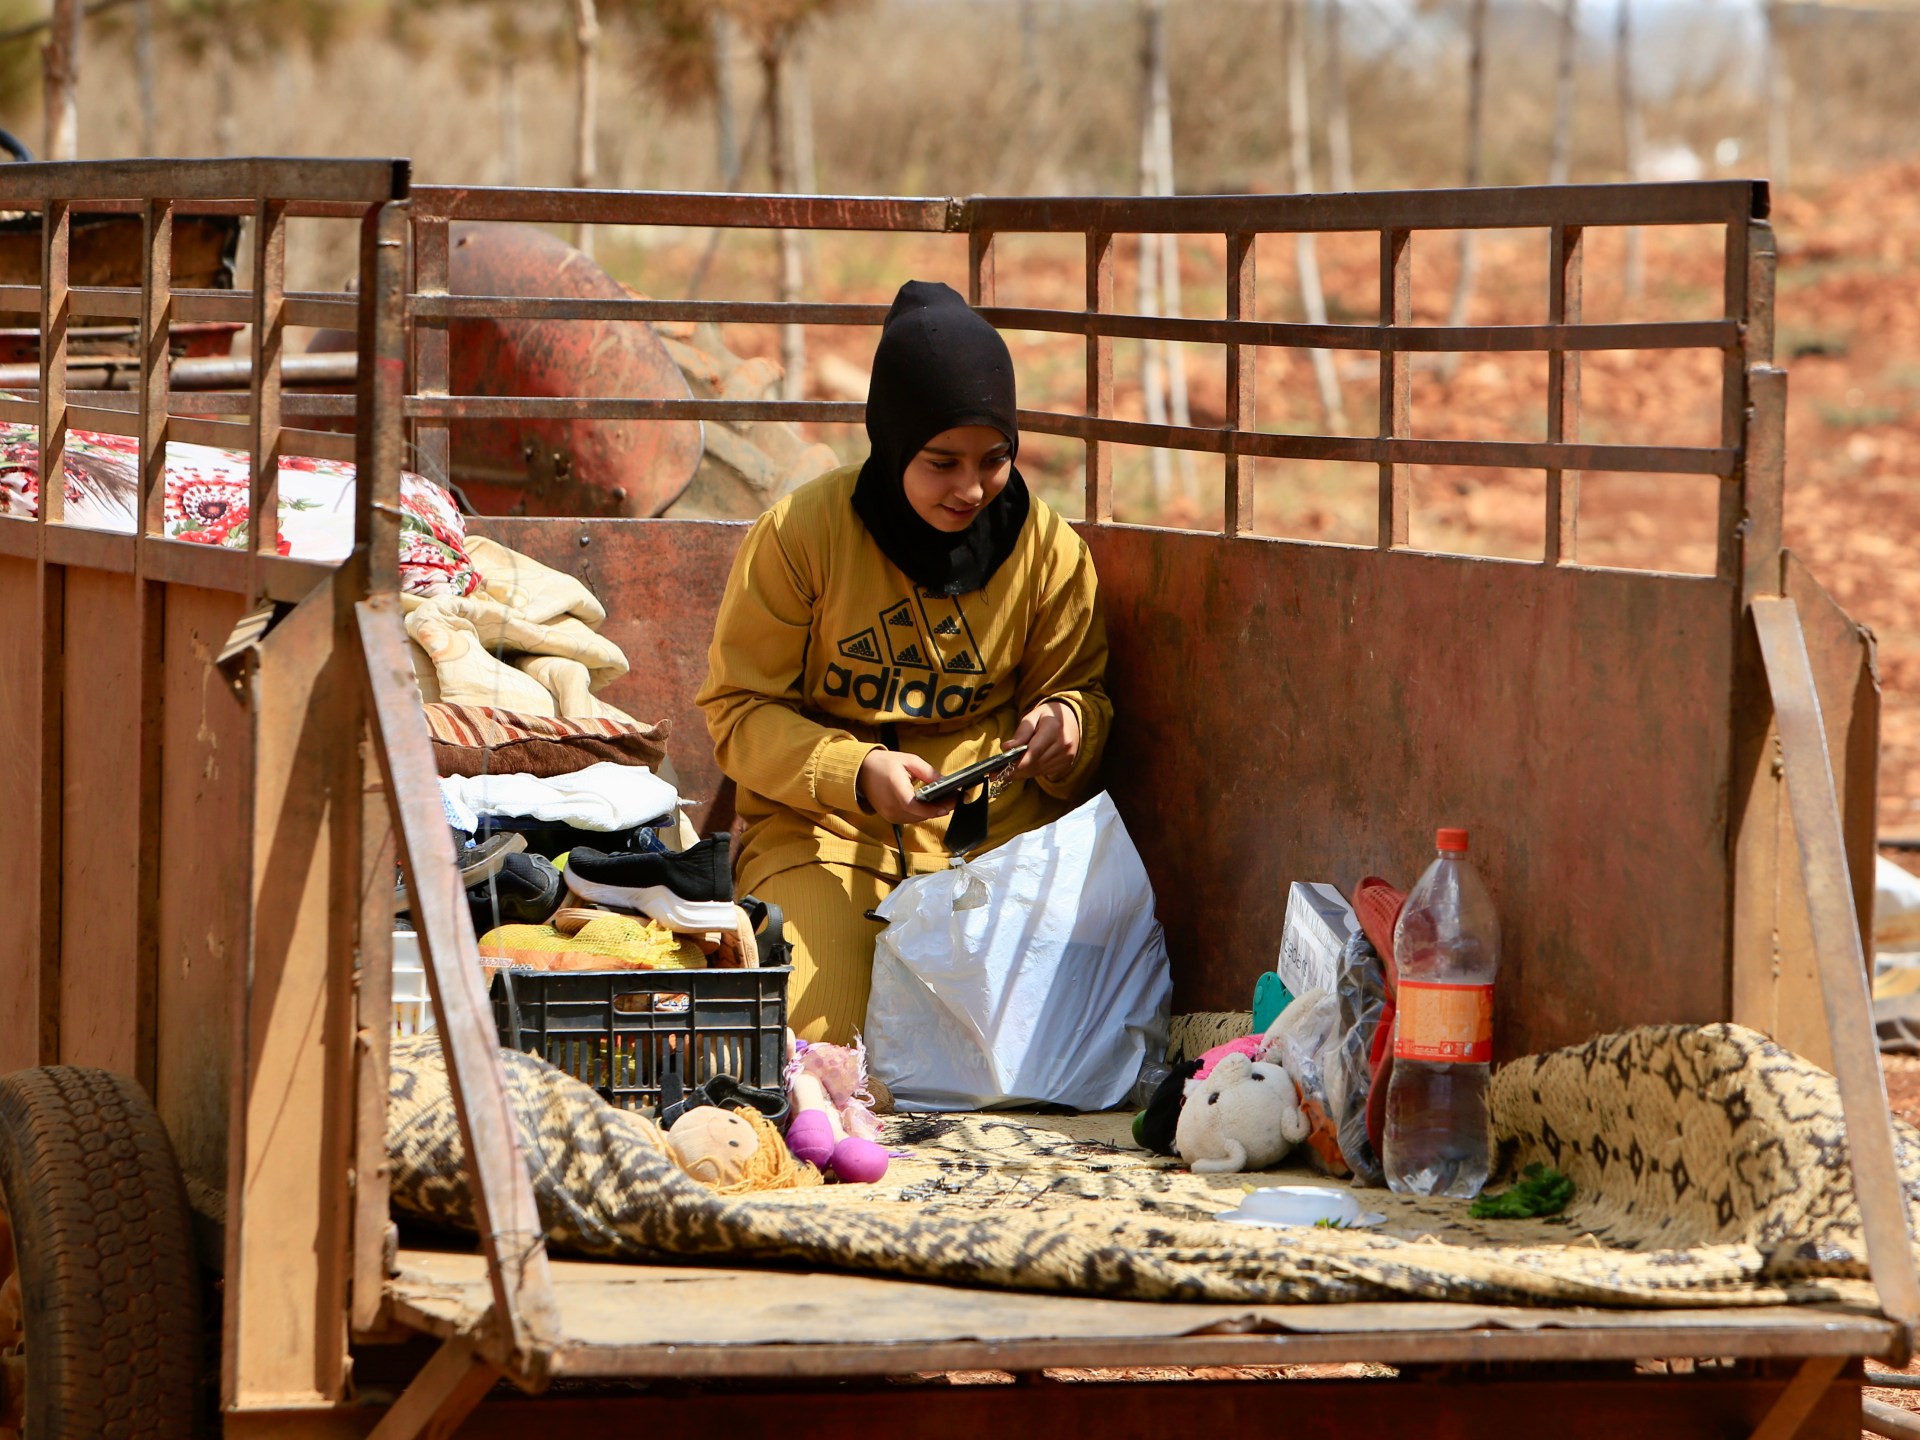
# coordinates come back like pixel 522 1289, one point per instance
pixel 33 27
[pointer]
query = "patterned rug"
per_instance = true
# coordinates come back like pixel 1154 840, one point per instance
pixel 1710 1165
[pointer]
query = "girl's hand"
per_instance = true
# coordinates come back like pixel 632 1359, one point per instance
pixel 887 780
pixel 1051 733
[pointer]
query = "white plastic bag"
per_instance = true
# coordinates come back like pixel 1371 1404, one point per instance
pixel 1035 974
pixel 1896 906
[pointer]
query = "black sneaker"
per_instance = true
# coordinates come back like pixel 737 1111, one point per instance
pixel 476 862
pixel 699 872
pixel 526 890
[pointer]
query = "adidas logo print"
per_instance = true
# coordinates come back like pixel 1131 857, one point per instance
pixel 864 646
pixel 890 691
pixel 909 683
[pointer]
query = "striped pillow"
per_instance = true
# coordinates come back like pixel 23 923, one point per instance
pixel 479 740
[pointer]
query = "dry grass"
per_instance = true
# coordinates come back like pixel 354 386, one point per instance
pixel 957 96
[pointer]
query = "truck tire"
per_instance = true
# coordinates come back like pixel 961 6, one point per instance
pixel 100 1300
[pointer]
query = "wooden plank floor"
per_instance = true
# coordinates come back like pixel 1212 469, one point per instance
pixel 693 1321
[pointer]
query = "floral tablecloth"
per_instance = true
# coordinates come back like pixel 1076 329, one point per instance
pixel 208 502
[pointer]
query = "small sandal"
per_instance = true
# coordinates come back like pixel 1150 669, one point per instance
pixel 727 1093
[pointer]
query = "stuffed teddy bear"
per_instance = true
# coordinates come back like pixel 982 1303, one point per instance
pixel 1243 1116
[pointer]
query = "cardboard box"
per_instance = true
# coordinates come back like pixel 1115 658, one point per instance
pixel 1318 925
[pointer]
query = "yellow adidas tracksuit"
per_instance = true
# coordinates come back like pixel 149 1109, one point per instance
pixel 821 642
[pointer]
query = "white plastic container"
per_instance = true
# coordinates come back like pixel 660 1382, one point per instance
pixel 412 1009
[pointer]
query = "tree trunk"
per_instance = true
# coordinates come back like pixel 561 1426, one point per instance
pixel 726 114
pixel 1560 168
pixel 1339 130
pixel 226 124
pixel 509 120
pixel 734 177
pixel 797 82
pixel 793 338
pixel 61 59
pixel 1632 137
pixel 1476 157
pixel 285 137
pixel 144 78
pixel 586 166
pixel 1176 353
pixel 1153 359
pixel 1300 153
pixel 1029 166
pixel 1779 98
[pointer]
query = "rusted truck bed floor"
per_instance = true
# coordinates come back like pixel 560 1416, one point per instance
pixel 707 1321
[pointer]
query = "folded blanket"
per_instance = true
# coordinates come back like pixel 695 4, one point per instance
pixel 537 594
pixel 527 642
pixel 503 628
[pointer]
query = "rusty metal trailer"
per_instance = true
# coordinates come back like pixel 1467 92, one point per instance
pixel 214 758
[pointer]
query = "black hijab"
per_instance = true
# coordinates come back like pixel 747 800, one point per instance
pixel 938 366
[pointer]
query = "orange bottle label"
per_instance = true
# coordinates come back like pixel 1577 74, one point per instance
pixel 1443 1022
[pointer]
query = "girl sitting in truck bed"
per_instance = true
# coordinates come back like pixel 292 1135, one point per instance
pixel 891 622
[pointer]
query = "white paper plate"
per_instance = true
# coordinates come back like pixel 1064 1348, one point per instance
pixel 1287 1205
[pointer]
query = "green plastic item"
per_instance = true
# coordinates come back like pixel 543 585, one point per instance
pixel 1270 997
pixel 1139 1120
pixel 1542 1190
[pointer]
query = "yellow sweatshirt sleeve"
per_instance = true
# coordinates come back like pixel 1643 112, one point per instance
pixel 1066 658
pixel 752 697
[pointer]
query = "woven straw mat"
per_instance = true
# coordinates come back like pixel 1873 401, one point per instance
pixel 1710 1165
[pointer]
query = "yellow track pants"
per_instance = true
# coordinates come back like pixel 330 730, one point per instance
pixel 825 907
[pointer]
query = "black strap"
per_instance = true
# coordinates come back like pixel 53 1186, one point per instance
pixel 890 733
pixel 673 1090
pixel 770 931
pixel 513 1006
pixel 967 826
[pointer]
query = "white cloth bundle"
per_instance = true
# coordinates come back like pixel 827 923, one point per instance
pixel 607 796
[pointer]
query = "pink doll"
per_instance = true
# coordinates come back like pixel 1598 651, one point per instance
pixel 833 1126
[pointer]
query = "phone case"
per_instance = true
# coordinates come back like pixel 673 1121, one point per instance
pixel 971 775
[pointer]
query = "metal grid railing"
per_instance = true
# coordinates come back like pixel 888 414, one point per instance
pixel 269 192
pixel 1742 335
pixel 264 420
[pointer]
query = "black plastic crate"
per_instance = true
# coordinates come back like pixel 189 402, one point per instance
pixel 616 1029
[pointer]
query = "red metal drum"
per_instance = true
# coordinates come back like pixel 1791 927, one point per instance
pixel 630 468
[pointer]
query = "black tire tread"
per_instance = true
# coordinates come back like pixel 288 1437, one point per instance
pixel 104 1244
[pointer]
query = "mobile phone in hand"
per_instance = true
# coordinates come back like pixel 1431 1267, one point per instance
pixel 936 790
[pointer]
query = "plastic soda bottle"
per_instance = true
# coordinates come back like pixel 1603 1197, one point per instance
pixel 1446 947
